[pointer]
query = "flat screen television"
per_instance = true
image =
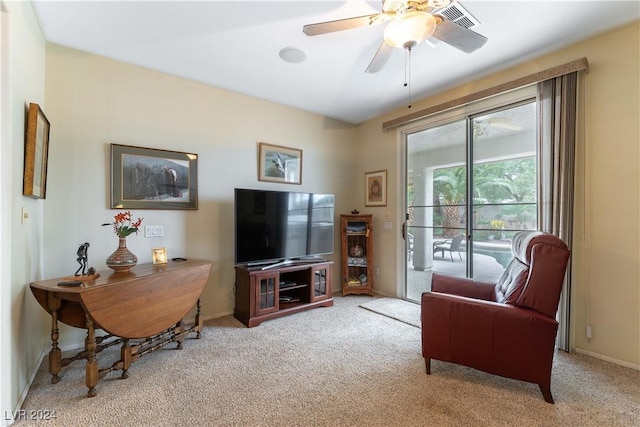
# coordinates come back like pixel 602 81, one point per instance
pixel 278 227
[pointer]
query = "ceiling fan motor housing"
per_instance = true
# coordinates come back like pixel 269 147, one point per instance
pixel 410 29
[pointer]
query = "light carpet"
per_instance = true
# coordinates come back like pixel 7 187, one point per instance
pixel 404 311
pixel 330 366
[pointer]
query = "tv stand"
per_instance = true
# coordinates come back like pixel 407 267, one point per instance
pixel 289 287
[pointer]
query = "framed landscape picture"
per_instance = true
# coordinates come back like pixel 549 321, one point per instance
pixel 279 164
pixel 36 153
pixel 148 178
pixel 375 188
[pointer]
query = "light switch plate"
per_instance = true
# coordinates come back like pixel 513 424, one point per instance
pixel 154 231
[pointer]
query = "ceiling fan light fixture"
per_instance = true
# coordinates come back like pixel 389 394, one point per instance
pixel 410 29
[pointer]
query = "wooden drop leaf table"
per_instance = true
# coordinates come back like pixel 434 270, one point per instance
pixel 142 310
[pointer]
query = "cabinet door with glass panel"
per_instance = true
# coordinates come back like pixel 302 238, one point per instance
pixel 321 282
pixel 266 292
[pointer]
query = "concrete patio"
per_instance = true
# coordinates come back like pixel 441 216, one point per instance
pixel 485 268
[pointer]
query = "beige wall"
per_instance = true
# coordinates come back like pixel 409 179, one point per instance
pixel 93 101
pixel 606 279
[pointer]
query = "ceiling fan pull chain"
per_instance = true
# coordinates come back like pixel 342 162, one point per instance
pixel 407 71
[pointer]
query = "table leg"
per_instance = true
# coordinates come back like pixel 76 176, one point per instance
pixel 55 355
pixel 125 356
pixel 199 322
pixel 178 333
pixel 91 369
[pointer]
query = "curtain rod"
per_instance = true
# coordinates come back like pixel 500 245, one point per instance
pixel 570 67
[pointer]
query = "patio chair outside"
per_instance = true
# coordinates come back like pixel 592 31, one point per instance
pixel 449 245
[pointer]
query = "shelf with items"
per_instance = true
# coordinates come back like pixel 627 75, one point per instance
pixel 357 254
pixel 292 293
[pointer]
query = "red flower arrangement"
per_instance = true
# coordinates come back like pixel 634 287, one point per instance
pixel 123 225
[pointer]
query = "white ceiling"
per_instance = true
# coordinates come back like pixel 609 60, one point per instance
pixel 235 44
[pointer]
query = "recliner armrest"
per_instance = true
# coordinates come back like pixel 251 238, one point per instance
pixel 463 287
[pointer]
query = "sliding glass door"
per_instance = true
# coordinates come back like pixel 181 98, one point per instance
pixel 471 184
pixel 436 200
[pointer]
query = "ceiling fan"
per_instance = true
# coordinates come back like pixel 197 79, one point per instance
pixel 481 126
pixel 410 22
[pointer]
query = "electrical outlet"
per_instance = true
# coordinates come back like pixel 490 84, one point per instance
pixel 589 332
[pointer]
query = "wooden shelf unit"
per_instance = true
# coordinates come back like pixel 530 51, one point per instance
pixel 357 254
pixel 262 294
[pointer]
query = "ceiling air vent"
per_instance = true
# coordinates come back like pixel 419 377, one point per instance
pixel 454 13
pixel 458 14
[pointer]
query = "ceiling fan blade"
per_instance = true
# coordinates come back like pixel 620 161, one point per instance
pixel 458 36
pixel 380 59
pixel 342 24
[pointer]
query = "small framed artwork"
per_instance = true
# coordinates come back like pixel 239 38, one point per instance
pixel 279 164
pixel 36 153
pixel 148 178
pixel 159 255
pixel 375 188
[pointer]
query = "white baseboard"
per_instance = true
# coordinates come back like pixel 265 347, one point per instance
pixel 27 387
pixel 384 294
pixel 215 316
pixel 608 359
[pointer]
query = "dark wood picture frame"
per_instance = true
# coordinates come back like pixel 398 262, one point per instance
pixel 149 178
pixel 279 164
pixel 36 153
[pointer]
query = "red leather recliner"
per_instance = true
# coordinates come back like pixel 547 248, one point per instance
pixel 506 328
